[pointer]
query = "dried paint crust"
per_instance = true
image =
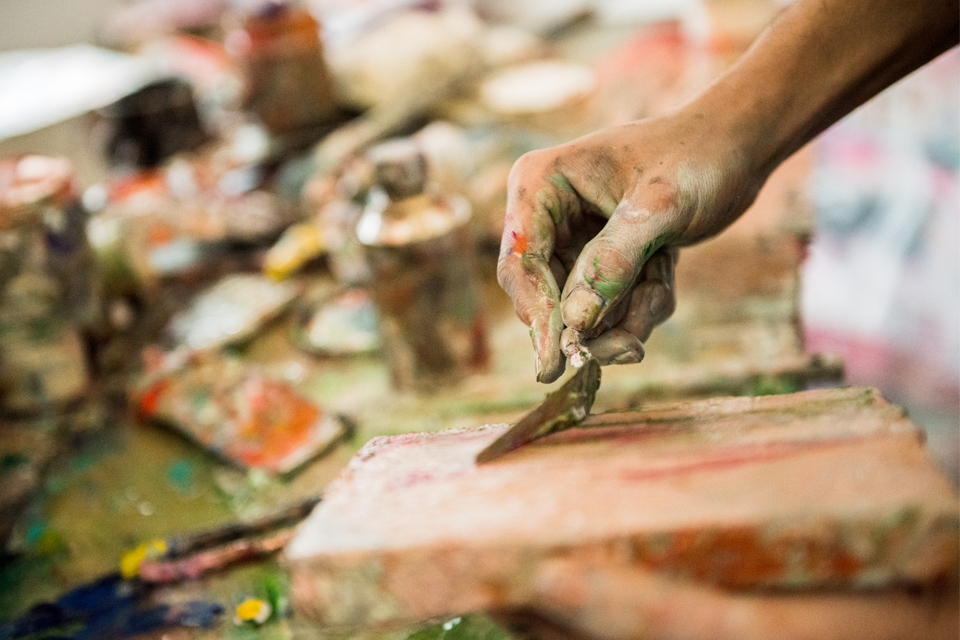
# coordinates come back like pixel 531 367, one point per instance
pixel 827 488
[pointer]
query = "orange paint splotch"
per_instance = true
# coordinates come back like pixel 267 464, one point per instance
pixel 279 423
pixel 150 399
pixel 519 242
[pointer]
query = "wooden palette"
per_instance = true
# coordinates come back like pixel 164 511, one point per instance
pixel 826 488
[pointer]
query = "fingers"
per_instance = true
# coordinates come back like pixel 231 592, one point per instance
pixel 610 299
pixel 654 299
pixel 536 297
pixel 609 265
pixel 651 302
pixel 527 269
pixel 616 346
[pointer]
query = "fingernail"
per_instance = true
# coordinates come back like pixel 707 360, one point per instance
pixel 536 355
pixel 571 341
pixel 582 308
pixel 548 374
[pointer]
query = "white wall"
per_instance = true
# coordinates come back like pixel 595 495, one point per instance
pixel 51 23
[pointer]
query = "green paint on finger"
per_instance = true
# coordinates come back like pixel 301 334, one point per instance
pixel 609 288
pixel 662 239
pixel 551 204
pixel 530 261
pixel 560 182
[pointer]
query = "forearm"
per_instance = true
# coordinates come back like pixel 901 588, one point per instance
pixel 819 61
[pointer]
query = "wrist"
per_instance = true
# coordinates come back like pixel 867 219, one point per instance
pixel 738 122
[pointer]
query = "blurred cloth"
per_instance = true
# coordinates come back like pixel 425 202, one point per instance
pixel 42 87
pixel 882 282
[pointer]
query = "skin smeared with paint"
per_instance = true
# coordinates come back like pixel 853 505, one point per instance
pixel 592 230
pixel 601 217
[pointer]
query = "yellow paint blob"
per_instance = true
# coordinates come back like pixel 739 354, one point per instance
pixel 252 610
pixel 131 560
pixel 299 244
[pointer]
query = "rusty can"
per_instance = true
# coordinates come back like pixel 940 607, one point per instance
pixel 286 82
pixel 43 287
pixel 421 255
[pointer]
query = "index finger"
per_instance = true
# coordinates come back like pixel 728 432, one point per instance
pixel 523 269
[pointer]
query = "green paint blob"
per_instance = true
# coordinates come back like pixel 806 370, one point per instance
pixel 608 288
pixel 12 461
pixel 771 385
pixel 560 182
pixel 662 239
pixel 181 475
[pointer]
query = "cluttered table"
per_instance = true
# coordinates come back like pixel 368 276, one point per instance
pixel 241 352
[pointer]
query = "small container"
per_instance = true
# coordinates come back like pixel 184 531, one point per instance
pixel 286 81
pixel 42 360
pixel 153 124
pixel 342 324
pixel 420 252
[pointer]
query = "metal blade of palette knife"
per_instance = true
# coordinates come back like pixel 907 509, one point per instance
pixel 564 408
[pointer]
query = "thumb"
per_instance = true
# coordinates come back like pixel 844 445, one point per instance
pixel 608 266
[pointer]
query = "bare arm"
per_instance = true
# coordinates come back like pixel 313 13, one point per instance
pixel 823 58
pixel 592 225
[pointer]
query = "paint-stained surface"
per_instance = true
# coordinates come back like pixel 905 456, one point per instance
pixel 822 488
pixel 241 414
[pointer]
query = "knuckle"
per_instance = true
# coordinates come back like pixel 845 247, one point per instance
pixel 528 163
pixel 609 261
pixel 651 201
pixel 506 272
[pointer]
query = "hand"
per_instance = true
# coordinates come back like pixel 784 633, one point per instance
pixel 573 599
pixel 592 229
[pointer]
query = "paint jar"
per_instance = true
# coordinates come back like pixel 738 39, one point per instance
pixel 286 82
pixel 418 245
pixel 153 124
pixel 42 289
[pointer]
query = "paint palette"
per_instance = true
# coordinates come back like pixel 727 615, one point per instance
pixel 242 415
pixel 231 311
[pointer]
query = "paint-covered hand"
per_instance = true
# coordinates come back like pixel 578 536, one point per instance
pixel 592 229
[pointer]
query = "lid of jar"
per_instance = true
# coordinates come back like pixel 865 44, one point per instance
pixel 259 23
pixel 399 168
pixel 423 217
pixel 30 181
pixel 400 210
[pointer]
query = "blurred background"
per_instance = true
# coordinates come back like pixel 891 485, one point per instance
pixel 242 237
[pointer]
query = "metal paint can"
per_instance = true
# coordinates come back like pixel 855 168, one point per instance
pixel 44 290
pixel 421 254
pixel 286 82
